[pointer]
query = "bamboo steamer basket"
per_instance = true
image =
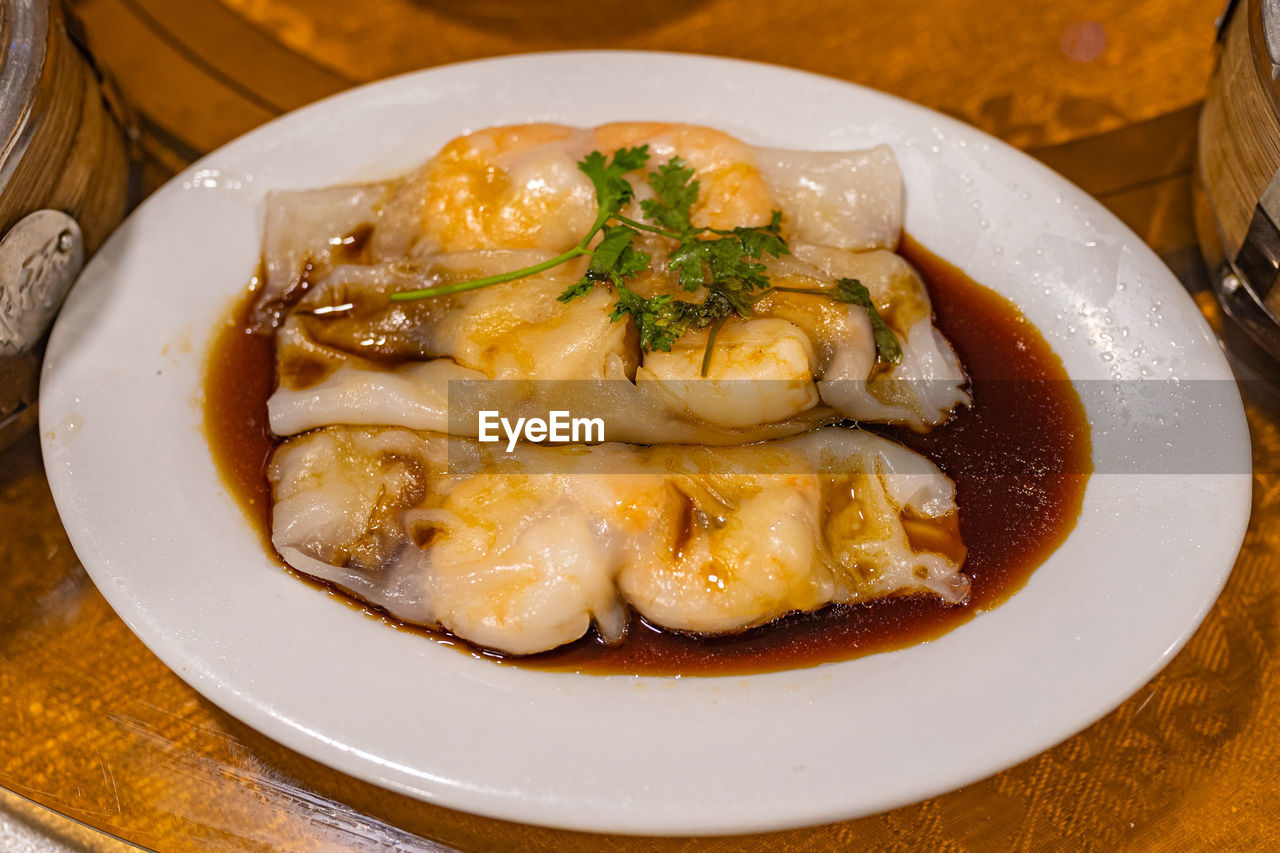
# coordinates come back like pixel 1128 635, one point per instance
pixel 1237 202
pixel 64 185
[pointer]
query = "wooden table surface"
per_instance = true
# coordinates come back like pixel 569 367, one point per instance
pixel 94 727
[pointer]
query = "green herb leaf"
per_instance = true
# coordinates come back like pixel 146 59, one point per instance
pixel 691 263
pixel 659 319
pixel 612 189
pixel 615 255
pixel 662 320
pixel 757 242
pixel 613 260
pixel 676 192
pixel 581 288
pixel 730 261
pixel 852 291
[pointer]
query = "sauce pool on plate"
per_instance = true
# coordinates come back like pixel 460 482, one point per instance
pixel 1020 458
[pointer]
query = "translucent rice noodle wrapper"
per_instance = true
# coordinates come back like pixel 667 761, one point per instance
pixel 309 230
pixel 526 551
pixel 505 198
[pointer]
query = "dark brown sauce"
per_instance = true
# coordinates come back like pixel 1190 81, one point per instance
pixel 1020 458
pixel 239 377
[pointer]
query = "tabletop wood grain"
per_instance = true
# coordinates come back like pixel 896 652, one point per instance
pixel 93 726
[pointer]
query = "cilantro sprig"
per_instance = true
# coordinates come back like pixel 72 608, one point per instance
pixel 727 264
pixel 853 292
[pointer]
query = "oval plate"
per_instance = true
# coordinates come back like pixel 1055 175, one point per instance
pixel 173 553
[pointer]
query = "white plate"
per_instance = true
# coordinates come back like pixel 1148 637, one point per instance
pixel 173 553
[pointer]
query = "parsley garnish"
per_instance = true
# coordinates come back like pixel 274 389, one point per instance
pixel 854 292
pixel 728 264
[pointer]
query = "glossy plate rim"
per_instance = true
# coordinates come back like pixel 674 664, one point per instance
pixel 176 558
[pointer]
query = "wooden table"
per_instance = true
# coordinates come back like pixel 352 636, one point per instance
pixel 94 727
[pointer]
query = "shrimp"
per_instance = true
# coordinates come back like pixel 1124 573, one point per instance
pixel 731 191
pixel 761 371
pixel 518 563
pixel 762 561
pixel 515 187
